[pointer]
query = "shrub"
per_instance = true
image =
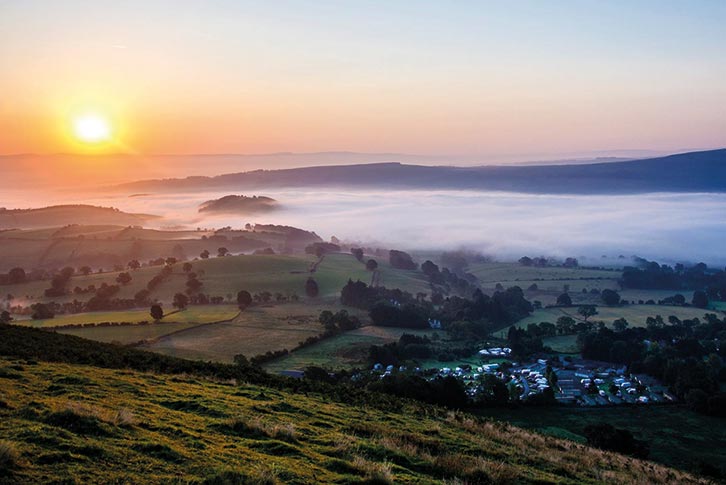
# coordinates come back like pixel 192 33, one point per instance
pixel 374 471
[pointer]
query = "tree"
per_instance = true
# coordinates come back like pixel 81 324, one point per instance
pixel 610 297
pixel 123 279
pixel 204 254
pixel 357 252
pixel 41 311
pixel 564 300
pixel 180 301
pixel 85 270
pixel 244 299
pixel 170 261
pixel 311 288
pixel 142 296
pixel 371 265
pixel 156 312
pixel 525 261
pixel 16 275
pixel 700 299
pixel 620 324
pixel 187 267
pixel 587 311
pixel 565 325
pixel 193 285
pixel 222 252
pixel 5 317
pixel 134 264
pixel 429 268
pixel 401 260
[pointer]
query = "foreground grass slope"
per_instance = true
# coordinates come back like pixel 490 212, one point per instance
pixel 80 424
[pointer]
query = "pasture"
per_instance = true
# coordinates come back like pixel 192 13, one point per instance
pixel 192 314
pixel 128 334
pixel 256 330
pixel 344 351
pixel 636 315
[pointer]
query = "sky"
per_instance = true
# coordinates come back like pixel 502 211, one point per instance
pixel 488 79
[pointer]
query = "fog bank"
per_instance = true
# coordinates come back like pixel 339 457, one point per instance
pixel 666 227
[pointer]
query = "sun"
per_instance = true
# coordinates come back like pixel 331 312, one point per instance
pixel 92 128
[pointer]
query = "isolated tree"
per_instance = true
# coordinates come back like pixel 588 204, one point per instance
pixel 587 311
pixel 244 299
pixel 16 275
pixel 187 267
pixel 311 288
pixel 357 252
pixel 222 252
pixel 170 261
pixel 564 300
pixel 371 265
pixel 156 312
pixel 180 301
pixel 204 254
pixel 620 324
pixel 610 297
pixel 123 279
pixel 134 264
pixel 85 270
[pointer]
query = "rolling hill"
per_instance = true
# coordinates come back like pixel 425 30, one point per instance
pixel 68 405
pixel 703 171
pixel 69 214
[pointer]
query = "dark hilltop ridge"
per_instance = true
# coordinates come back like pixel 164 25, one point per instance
pixel 239 204
pixel 703 171
pixel 69 214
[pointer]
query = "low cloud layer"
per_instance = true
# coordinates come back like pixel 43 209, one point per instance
pixel 667 227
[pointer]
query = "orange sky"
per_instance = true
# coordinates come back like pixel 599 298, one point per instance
pixel 240 77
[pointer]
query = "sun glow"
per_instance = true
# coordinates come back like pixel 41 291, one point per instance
pixel 92 128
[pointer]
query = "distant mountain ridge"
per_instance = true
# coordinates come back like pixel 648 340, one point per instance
pixel 703 171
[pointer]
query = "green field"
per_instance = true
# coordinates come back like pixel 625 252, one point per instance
pixel 78 424
pixel 678 437
pixel 224 277
pixel 344 351
pixel 255 331
pixel 566 344
pixel 130 334
pixel 636 315
pixel 192 314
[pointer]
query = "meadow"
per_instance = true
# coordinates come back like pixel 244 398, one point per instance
pixel 59 421
pixel 191 314
pixel 255 331
pixel 636 315
pixel 344 351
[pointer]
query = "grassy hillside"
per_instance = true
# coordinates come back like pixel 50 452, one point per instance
pixel 83 424
pixel 678 437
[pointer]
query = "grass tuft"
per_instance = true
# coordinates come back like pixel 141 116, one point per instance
pixel 9 456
